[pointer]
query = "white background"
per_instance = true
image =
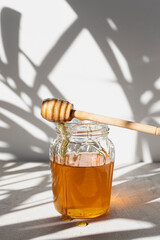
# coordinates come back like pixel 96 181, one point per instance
pixel 102 56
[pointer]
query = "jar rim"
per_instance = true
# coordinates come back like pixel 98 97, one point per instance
pixel 85 128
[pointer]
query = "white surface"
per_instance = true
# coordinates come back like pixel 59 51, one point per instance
pixel 96 54
pixel 27 210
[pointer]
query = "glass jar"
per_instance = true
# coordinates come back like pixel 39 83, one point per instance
pixel 81 161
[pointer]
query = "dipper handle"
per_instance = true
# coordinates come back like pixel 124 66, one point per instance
pixel 116 122
pixel 60 111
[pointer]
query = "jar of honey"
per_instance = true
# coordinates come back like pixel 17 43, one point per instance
pixel 81 161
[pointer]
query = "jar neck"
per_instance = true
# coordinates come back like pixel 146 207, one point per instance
pixel 82 130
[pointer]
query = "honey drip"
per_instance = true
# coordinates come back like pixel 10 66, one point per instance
pixel 65 218
pixel 65 140
pixel 82 224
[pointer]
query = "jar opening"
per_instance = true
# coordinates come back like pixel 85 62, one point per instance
pixel 85 128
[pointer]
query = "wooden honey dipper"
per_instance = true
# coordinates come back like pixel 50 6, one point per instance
pixel 55 110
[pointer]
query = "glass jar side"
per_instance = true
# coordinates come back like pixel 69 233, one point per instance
pixel 82 183
pixel 88 145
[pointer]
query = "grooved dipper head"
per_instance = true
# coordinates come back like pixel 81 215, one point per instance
pixel 56 110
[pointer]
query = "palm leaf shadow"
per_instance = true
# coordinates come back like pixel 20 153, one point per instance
pixel 93 15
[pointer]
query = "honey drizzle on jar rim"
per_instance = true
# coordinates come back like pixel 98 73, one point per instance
pixel 65 140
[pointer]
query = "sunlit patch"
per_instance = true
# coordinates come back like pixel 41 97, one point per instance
pixel 9 164
pixel 146 97
pixel 26 71
pixel 3 192
pixel 24 184
pixel 4 144
pixel 26 166
pixel 3 197
pixel 157 84
pixel 146 59
pixel 2 78
pixel 155 107
pixel 37 38
pixel 156 170
pixel 154 200
pixel 37 114
pixel 7 156
pixel 156 119
pixel 119 182
pixel 121 200
pixel 141 176
pixel 41 198
pixel 26 99
pixel 86 71
pixel 11 83
pixel 123 64
pixel 4 124
pixel 146 238
pixel 29 127
pixel 112 24
pixel 44 92
pixel 123 224
pixel 36 149
pixel 2 51
pixel 147 157
pixel 9 96
pixel 114 195
pixel 131 224
pixel 125 170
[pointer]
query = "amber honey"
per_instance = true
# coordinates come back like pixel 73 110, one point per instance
pixel 82 189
